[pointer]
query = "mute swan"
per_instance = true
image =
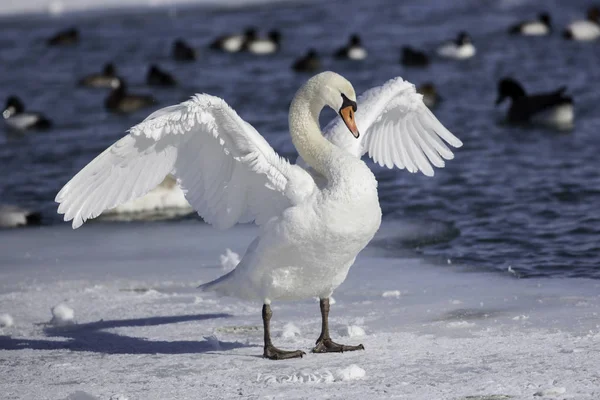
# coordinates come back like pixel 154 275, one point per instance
pixel 313 223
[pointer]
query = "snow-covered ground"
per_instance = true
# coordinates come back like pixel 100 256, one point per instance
pixel 130 324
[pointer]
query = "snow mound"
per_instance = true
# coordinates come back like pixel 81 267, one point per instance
pixel 351 331
pixel 6 321
pixel 290 331
pixel 118 397
pixel 391 293
pixel 62 314
pixel 229 260
pixel 350 373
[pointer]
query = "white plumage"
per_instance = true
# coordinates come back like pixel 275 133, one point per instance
pixel 311 228
pixel 312 225
pixel 398 130
pixel 584 30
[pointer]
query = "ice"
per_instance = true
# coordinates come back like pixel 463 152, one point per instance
pixel 6 321
pixel 144 330
pixel 62 314
pixel 229 260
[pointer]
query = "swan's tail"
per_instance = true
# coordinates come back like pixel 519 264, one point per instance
pixel 219 285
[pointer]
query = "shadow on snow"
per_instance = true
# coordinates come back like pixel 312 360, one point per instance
pixel 92 337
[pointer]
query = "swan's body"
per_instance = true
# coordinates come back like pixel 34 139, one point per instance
pixel 313 222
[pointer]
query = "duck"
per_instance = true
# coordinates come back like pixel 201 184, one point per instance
pixel 413 58
pixel 459 49
pixel 585 30
pixel 18 119
pixel 540 27
pixel 165 201
pixel 119 101
pixel 181 51
pixel 234 43
pixel 313 221
pixel 66 37
pixel 104 79
pixel 260 46
pixel 354 50
pixel 308 63
pixel 430 95
pixel 13 216
pixel 553 108
pixel 157 77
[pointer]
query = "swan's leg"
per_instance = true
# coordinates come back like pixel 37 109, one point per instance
pixel 324 343
pixel 272 352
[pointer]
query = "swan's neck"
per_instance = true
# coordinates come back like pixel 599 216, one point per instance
pixel 305 131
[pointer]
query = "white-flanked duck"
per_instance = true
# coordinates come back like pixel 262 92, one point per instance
pixel 158 77
pixel 104 79
pixel 17 118
pixel 119 101
pixel 540 27
pixel 234 43
pixel 587 29
pixel 430 95
pixel 164 201
pixel 310 62
pixel 14 216
pixel 552 109
pixel 267 45
pixel 413 58
pixel 459 49
pixel 64 38
pixel 181 51
pixel 354 50
pixel 313 222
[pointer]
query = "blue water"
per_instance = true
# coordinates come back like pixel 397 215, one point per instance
pixel 521 197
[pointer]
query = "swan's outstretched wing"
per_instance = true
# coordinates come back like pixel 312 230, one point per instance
pixel 228 171
pixel 396 129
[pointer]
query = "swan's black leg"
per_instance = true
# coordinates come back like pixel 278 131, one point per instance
pixel 324 343
pixel 272 352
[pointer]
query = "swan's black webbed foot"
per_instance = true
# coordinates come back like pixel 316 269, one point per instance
pixel 326 345
pixel 273 353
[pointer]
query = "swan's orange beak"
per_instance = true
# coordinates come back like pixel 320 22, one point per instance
pixel 347 114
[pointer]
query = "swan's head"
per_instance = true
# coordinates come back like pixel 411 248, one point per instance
pixel 339 94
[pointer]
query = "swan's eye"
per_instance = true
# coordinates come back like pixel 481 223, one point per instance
pixel 346 102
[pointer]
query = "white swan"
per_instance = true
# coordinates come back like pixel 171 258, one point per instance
pixel 311 226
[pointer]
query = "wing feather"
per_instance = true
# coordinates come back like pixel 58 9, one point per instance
pixel 227 170
pixel 397 129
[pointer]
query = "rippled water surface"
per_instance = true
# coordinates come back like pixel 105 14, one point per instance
pixel 522 197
